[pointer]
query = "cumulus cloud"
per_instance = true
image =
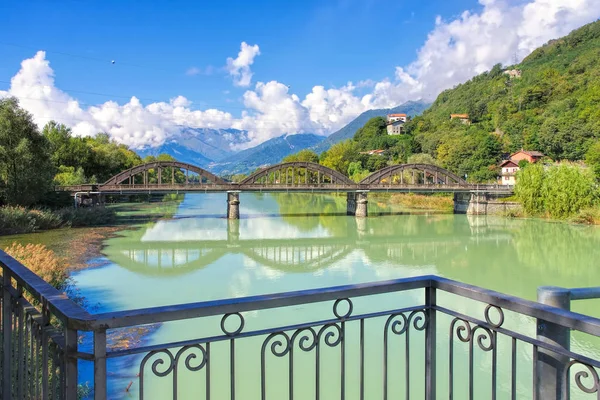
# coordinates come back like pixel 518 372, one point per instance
pixel 239 67
pixel 459 49
pixel 130 123
pixel 455 51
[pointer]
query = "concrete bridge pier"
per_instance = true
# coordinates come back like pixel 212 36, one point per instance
pixel 233 204
pixel 356 203
pixel 483 203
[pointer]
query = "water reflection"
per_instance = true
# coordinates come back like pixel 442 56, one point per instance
pixel 202 256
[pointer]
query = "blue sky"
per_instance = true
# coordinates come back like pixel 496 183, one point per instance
pixel 302 43
pixel 303 56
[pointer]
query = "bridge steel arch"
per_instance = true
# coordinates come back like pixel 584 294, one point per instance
pixel 335 176
pixel 433 170
pixel 123 176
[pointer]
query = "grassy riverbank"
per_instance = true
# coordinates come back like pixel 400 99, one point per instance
pixel 443 203
pixel 18 220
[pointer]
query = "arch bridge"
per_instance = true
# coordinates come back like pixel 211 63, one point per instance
pixel 164 177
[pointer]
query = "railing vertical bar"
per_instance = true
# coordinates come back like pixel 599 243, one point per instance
pixel 44 365
pixel 430 345
pixel 514 370
pixel 70 364
pixel 7 335
pixel 494 364
pixel 317 369
pixel 471 351
pixel 100 364
pixel 535 377
pixel 36 364
pixel 362 359
pixel 342 357
pixel 208 371
pixel 31 357
pixel 385 363
pixel 407 361
pixel 232 367
pixel 21 365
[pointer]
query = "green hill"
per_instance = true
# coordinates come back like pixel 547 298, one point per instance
pixel 553 107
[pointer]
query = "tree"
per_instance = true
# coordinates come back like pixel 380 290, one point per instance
pixel 592 158
pixel 303 155
pixel 69 176
pixel 25 167
pixel 339 156
pixel 528 190
pixel 421 158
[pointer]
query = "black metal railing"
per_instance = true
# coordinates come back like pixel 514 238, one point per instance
pixel 424 337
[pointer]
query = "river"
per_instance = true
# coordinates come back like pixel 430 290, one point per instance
pixel 287 242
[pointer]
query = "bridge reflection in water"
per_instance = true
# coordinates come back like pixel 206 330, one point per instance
pixel 174 247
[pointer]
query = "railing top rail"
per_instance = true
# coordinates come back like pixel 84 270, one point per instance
pixel 569 319
pixel 219 307
pixel 58 303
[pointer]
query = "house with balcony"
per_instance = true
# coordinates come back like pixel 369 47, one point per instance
pixel 510 167
pixel 395 123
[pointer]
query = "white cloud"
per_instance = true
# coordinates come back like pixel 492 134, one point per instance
pixel 454 51
pixel 457 50
pixel 192 71
pixel 239 68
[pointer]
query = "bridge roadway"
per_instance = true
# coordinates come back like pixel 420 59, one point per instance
pixel 302 177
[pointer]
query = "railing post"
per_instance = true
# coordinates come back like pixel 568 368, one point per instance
pixel 550 368
pixel 430 344
pixel 70 364
pixel 100 365
pixel 7 336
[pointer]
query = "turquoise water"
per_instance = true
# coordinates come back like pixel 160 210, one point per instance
pixel 293 242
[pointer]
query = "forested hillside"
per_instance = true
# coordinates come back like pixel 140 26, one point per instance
pixel 553 107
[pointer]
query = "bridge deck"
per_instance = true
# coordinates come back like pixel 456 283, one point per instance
pixel 201 188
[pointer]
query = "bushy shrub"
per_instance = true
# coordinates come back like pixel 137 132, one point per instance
pixel 528 190
pixel 93 216
pixel 568 189
pixel 16 219
pixel 558 191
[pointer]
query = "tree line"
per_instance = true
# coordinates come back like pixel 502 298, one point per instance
pixel 32 162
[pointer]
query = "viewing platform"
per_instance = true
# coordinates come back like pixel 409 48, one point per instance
pixel 427 337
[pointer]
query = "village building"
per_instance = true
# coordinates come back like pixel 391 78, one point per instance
pixel 395 123
pixel 513 73
pixel 464 118
pixel 510 167
pixel 374 152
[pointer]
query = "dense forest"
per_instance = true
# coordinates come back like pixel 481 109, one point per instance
pixel 550 104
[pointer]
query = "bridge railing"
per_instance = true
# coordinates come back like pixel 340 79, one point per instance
pixel 410 337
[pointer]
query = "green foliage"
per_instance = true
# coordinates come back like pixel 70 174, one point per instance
pixel 98 157
pixel 25 167
pixel 356 171
pixel 339 156
pixel 528 190
pixel 421 158
pixel 568 189
pixel 69 176
pixel 559 191
pixel 552 108
pixel 304 155
pixel 87 216
pixel 592 158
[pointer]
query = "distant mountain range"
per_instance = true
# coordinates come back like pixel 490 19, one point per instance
pixel 214 149
pixel 270 152
pixel 411 108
